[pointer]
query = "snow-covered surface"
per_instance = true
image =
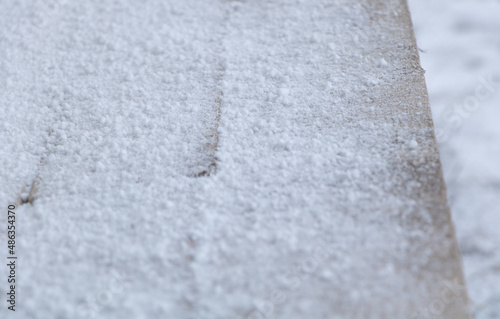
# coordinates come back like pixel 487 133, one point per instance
pixel 462 51
pixel 326 199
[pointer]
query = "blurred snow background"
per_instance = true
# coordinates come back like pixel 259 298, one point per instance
pixel 460 40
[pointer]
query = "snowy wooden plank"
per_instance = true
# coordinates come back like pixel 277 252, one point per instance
pixel 323 194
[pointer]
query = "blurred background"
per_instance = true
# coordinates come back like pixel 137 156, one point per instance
pixel 460 51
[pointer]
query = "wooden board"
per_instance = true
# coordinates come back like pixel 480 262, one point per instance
pixel 229 159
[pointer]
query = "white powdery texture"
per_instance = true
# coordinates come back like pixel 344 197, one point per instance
pixel 322 194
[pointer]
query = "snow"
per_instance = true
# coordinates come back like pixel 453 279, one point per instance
pixel 226 159
pixel 461 56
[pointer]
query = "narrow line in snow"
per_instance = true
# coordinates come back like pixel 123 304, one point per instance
pixel 212 146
